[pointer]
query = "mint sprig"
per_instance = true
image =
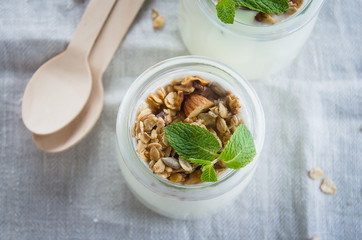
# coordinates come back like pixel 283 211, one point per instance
pixel 199 146
pixel 226 8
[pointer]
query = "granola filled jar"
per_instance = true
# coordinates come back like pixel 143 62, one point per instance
pixel 180 200
pixel 256 50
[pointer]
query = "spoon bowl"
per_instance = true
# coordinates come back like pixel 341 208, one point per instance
pixel 60 88
pixel 107 43
pixel 56 93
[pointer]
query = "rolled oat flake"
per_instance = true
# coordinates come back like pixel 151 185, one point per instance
pixel 328 186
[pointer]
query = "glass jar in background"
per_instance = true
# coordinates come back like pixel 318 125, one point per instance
pixel 161 195
pixel 255 50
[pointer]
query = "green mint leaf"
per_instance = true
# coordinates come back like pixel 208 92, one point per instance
pixel 208 173
pixel 199 161
pixel 191 141
pixel 265 6
pixel 226 10
pixel 240 149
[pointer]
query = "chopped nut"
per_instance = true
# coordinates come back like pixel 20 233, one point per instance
pixel 223 112
pixel 176 178
pixel 171 162
pixel 159 21
pixel 159 167
pixel 328 186
pixel 154 154
pixel 233 104
pixel 154 13
pixel 195 104
pixel 316 173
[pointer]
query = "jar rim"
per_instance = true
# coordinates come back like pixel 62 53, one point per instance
pixel 123 133
pixel 285 27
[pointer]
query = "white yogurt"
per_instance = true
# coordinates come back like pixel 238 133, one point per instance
pixel 254 49
pixel 168 198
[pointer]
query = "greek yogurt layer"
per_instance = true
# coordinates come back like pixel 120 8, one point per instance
pixel 255 49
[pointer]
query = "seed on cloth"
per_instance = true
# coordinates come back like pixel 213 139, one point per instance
pixel 328 186
pixel 316 173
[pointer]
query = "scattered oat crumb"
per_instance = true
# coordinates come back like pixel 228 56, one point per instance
pixel 316 173
pixel 154 13
pixel 328 186
pixel 158 22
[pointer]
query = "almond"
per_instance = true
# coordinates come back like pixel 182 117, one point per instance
pixel 195 104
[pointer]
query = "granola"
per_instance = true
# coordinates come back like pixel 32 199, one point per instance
pixel 193 100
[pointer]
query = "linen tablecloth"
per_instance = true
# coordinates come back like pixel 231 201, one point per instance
pixel 313 114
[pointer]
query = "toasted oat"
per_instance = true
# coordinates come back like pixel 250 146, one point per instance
pixel 158 22
pixel 187 89
pixel 154 100
pixel 143 114
pixel 159 166
pixel 154 153
pixel 170 100
pixel 145 138
pixel 190 79
pixel 328 186
pixel 156 145
pixel 161 92
pixel 150 122
pixel 168 169
pixel 316 173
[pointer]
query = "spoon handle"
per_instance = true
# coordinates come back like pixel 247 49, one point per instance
pixel 90 25
pixel 114 30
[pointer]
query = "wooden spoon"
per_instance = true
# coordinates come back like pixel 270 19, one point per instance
pixel 60 88
pixel 107 43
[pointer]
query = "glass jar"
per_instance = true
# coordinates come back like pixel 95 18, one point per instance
pixel 255 50
pixel 161 195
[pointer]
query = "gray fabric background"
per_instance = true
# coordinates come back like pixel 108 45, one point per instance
pixel 313 118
